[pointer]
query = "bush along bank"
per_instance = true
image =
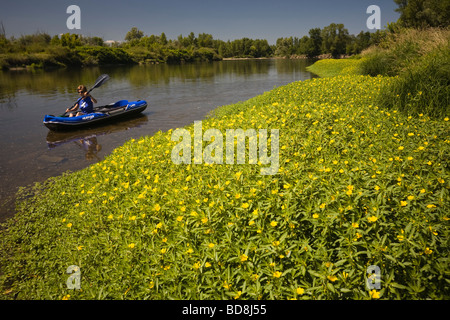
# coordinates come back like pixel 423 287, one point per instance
pixel 358 186
pixel 418 61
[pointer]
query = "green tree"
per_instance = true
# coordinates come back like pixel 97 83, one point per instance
pixel 334 39
pixel 313 43
pixel 163 39
pixel 424 13
pixel 70 40
pixel 134 34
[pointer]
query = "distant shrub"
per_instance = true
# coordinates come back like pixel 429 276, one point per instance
pixel 104 55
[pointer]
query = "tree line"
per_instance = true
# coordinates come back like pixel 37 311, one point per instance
pixel 333 39
pixel 41 49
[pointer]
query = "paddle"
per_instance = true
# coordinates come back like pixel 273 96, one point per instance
pixel 100 80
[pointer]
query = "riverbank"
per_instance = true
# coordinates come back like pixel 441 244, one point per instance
pixel 357 185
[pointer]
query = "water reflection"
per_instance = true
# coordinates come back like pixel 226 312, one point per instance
pixel 63 81
pixel 86 140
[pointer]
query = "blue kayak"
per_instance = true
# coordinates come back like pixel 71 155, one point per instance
pixel 101 114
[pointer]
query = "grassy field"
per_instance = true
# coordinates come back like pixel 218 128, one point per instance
pixel 358 185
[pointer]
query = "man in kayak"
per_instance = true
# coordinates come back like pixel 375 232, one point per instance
pixel 85 102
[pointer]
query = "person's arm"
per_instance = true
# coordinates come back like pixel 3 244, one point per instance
pixel 93 99
pixel 75 107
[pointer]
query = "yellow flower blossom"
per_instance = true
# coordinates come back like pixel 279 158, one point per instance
pixel 374 294
pixel 277 274
pixel 332 278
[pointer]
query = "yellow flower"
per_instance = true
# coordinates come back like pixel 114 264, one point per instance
pixel 401 148
pixel 322 206
pixel 372 219
pixel 431 206
pixel 277 274
pixel 66 297
pixel 244 257
pixel 332 278
pixel 164 250
pixel 428 250
pixel 179 218
pixel 300 291
pixel 157 207
pixel 131 245
pixel 273 223
pixel 226 285
pixel 349 190
pixel 245 205
pixel 355 225
pixel 207 264
pixel 69 225
pixel 211 245
pixel 196 265
pixel 410 197
pixel 315 215
pixel 374 294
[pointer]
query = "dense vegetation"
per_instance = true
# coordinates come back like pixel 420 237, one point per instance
pixel 419 61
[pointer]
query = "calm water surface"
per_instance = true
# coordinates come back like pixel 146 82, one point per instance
pixel 176 95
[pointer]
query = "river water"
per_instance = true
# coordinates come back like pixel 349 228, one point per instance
pixel 176 95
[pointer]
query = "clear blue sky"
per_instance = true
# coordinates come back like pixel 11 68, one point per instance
pixel 224 19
